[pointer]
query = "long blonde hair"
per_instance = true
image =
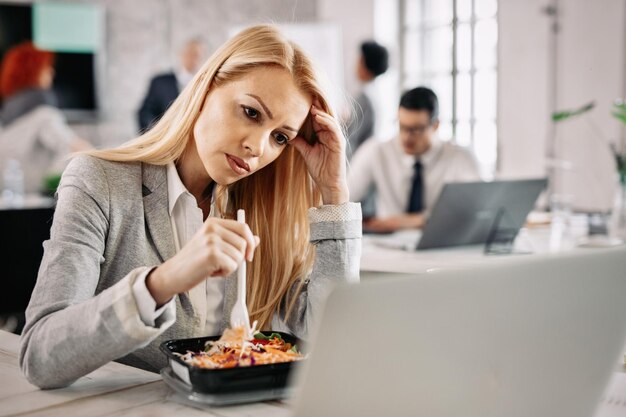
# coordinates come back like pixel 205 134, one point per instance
pixel 276 198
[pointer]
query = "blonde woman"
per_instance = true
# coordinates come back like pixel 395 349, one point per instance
pixel 144 234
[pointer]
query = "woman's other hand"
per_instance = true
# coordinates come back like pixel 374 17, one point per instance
pixel 326 159
pixel 217 249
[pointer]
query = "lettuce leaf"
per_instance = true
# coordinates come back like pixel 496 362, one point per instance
pixel 261 336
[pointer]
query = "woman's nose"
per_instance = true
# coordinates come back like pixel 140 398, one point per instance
pixel 255 144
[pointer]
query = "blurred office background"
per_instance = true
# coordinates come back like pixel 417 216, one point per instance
pixel 500 68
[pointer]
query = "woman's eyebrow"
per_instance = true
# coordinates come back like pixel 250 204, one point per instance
pixel 257 98
pixel 269 113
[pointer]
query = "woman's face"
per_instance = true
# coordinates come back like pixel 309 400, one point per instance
pixel 46 77
pixel 244 125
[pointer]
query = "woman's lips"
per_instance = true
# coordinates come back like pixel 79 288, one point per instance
pixel 238 165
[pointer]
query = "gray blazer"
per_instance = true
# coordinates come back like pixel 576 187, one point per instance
pixel 111 224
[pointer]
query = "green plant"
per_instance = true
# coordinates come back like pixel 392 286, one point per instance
pixel 559 116
pixel 619 112
pixel 51 183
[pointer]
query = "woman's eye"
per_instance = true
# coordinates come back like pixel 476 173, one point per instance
pixel 281 139
pixel 251 113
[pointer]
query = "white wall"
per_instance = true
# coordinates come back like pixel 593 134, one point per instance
pixel 356 19
pixel 591 68
pixel 590 62
pixel 360 21
pixel 523 112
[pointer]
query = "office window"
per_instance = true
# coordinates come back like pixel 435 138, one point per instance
pixel 451 47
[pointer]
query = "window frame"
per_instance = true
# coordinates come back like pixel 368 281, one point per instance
pixel 409 26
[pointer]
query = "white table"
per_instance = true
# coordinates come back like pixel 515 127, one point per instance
pixel 30 201
pixel 396 252
pixel 122 391
pixel 113 390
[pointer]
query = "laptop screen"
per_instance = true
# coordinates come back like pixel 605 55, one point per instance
pixel 531 336
pixel 469 213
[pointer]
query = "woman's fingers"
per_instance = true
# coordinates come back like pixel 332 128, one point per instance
pixel 244 230
pixel 223 264
pixel 236 234
pixel 301 145
pixel 234 246
pixel 216 250
pixel 241 244
pixel 323 118
pixel 325 122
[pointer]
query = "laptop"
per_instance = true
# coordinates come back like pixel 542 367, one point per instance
pixel 468 213
pixel 537 336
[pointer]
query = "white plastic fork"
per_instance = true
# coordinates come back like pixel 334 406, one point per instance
pixel 239 315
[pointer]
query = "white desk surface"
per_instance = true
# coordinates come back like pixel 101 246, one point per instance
pixel 122 391
pixel 30 201
pixel 113 390
pixel 396 252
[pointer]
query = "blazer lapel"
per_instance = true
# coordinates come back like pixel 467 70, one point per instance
pixel 156 210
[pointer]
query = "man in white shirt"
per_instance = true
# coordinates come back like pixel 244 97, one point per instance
pixel 408 172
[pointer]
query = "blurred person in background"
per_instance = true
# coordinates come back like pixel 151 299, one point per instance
pixel 409 171
pixel 33 131
pixel 164 88
pixel 373 62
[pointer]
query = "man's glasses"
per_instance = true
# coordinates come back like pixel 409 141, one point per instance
pixel 417 130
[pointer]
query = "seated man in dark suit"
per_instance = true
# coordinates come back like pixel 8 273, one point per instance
pixel 164 88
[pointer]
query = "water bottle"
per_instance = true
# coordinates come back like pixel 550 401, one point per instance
pixel 13 176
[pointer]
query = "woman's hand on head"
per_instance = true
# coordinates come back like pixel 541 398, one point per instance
pixel 326 159
pixel 216 250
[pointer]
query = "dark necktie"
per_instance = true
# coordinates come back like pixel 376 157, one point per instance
pixel 416 198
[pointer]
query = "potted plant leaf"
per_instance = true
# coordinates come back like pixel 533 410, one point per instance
pixel 619 112
pixel 50 184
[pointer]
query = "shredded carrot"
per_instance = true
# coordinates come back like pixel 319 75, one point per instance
pixel 234 349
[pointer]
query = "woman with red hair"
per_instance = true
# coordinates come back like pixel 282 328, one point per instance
pixel 33 130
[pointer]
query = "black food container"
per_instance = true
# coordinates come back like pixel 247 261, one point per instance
pixel 230 380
